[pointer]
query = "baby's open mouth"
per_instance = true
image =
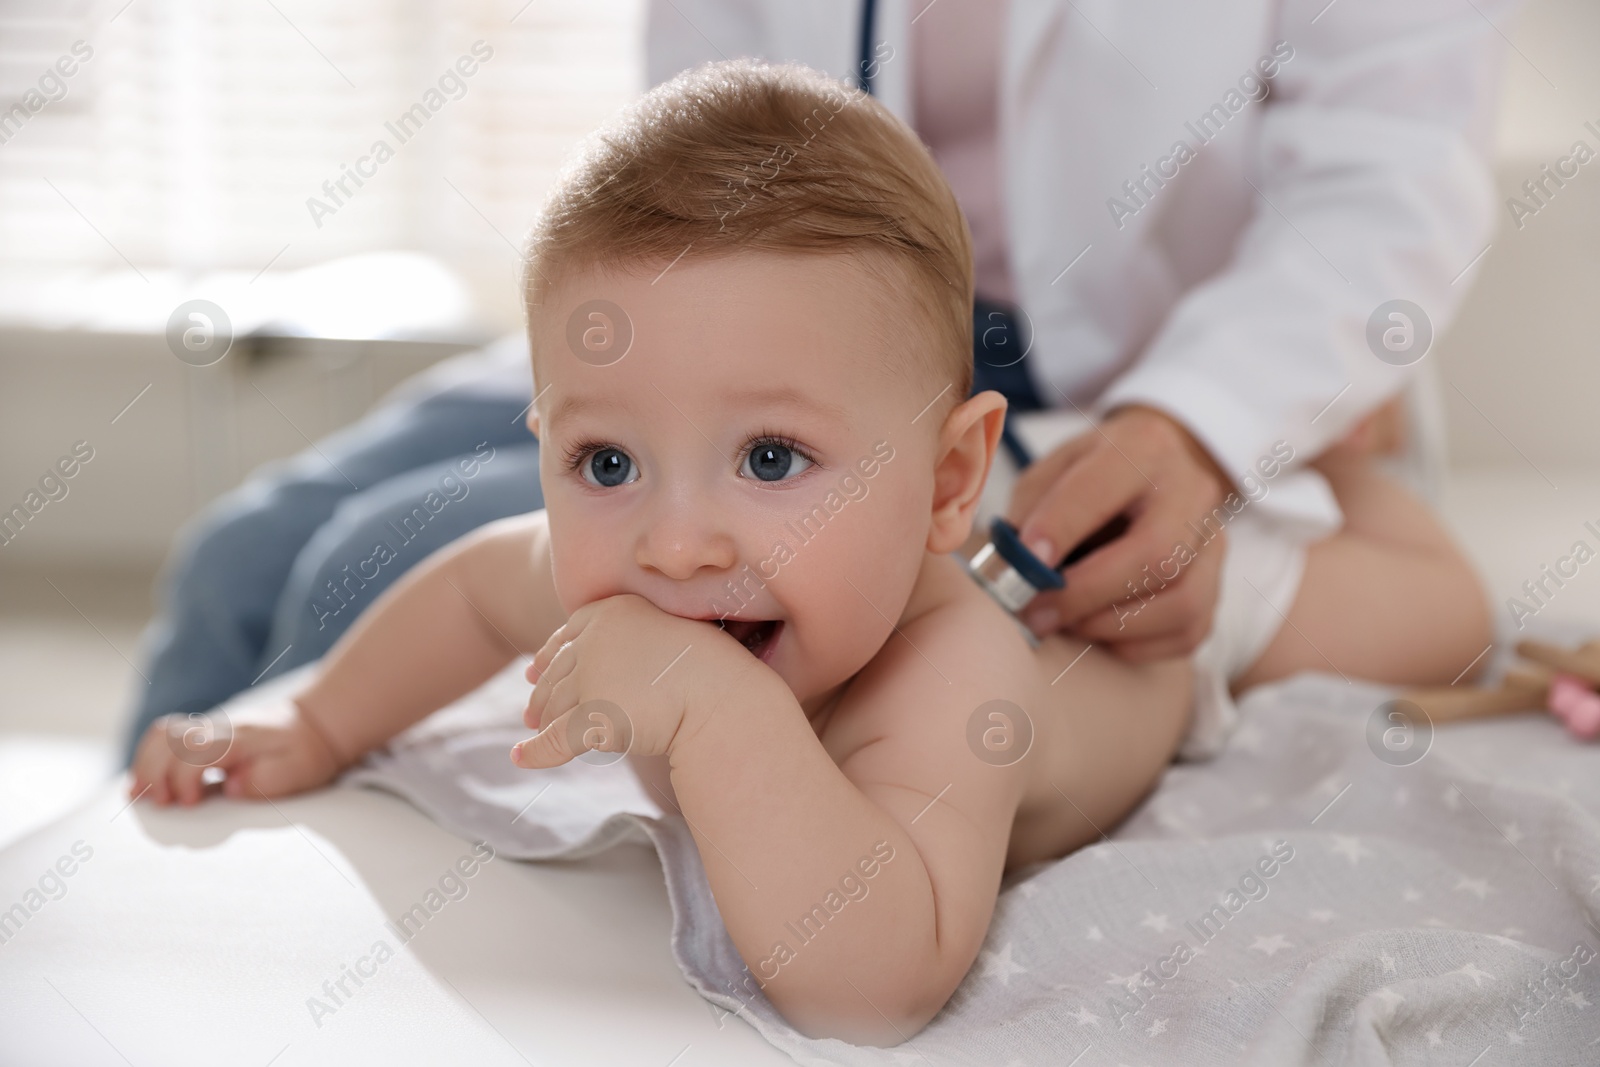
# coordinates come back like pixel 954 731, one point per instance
pixel 760 636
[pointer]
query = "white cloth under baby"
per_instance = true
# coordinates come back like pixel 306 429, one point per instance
pixel 1404 929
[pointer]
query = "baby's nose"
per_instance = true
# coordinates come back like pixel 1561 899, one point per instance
pixel 680 545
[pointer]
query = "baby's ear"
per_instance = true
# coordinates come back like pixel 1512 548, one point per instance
pixel 967 442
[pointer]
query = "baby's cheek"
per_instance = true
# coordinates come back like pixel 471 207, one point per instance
pixel 876 542
pixel 565 596
pixel 579 577
pixel 835 593
pixel 583 584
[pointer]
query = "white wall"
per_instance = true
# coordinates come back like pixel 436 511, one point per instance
pixel 1524 348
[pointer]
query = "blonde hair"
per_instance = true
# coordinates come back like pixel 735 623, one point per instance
pixel 742 154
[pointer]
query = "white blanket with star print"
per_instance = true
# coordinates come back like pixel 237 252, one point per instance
pixel 1297 900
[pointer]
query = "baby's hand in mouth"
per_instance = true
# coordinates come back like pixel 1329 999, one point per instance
pixel 622 676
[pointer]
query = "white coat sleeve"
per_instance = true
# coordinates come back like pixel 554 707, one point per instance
pixel 1373 185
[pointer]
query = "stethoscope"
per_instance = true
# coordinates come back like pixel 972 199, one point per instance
pixel 865 65
pixel 1004 566
pixel 869 11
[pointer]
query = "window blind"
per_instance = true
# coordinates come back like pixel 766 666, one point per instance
pixel 201 135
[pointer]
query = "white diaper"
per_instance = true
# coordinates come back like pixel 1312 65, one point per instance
pixel 1265 558
pixel 1261 572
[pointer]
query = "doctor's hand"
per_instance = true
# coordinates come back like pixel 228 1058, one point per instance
pixel 1143 464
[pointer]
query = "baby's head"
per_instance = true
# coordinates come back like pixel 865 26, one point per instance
pixel 750 307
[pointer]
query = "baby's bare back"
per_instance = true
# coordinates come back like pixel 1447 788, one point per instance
pixel 1094 733
pixel 1107 731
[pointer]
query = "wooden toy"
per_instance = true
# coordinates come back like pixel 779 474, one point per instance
pixel 1560 680
pixel 1520 690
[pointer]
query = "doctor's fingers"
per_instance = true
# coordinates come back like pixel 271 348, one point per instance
pixel 1180 611
pixel 1159 553
pixel 1083 497
pixel 1041 474
pixel 1183 643
pixel 1109 573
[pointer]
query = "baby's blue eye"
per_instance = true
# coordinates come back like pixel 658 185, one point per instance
pixel 609 467
pixel 771 462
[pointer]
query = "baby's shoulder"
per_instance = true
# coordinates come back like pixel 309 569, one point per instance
pixel 953 650
pixel 951 613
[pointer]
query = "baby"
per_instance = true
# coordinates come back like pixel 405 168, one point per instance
pixel 750 307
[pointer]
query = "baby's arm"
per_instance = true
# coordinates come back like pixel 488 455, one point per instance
pixel 442 631
pixel 857 880
pixel 437 634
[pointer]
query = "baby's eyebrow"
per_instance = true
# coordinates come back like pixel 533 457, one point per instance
pixel 738 399
pixel 567 404
pixel 785 396
pixel 573 404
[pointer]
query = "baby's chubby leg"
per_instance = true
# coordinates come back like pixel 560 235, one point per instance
pixel 1389 598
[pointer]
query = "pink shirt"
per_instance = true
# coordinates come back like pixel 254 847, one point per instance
pixel 955 81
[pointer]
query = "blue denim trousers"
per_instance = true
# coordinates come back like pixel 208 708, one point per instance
pixel 270 575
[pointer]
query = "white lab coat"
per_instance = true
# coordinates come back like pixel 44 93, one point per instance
pixel 1236 296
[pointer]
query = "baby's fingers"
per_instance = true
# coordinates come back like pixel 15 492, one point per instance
pixel 239 785
pixel 264 776
pixel 546 682
pixel 151 763
pixel 551 746
pixel 547 652
pixel 185 781
pixel 175 753
pixel 568 632
pixel 140 774
pixel 547 748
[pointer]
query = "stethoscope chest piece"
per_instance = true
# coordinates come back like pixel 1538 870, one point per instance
pixel 1010 573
